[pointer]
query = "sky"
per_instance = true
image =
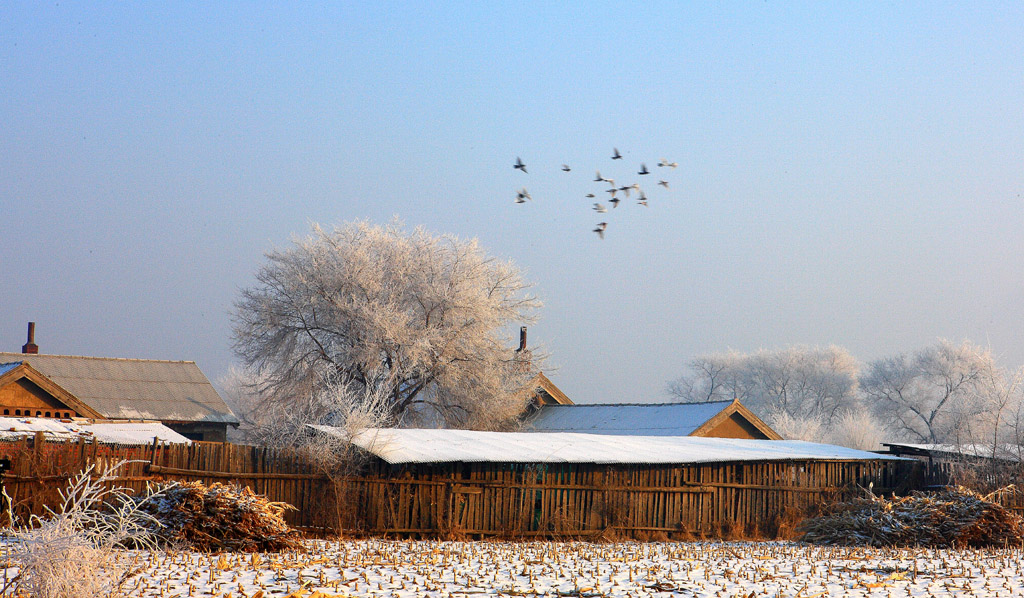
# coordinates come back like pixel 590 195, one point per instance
pixel 848 173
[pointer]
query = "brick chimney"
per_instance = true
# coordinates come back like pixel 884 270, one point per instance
pixel 31 347
pixel 524 356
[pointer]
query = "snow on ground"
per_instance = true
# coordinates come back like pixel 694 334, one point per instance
pixel 408 569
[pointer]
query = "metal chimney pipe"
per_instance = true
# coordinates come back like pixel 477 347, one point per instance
pixel 522 338
pixel 31 347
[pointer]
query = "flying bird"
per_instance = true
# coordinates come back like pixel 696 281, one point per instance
pixel 614 201
pixel 565 168
pixel 519 165
pixel 598 178
pixel 600 229
pixel 591 195
pixel 522 195
pixel 665 162
pixel 643 169
pixel 600 209
pixel 613 190
pixel 610 182
pixel 663 184
pixel 616 155
pixel 626 189
pixel 643 202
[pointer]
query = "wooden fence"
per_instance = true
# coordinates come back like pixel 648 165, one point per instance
pixel 40 468
pixel 473 500
pixel 569 500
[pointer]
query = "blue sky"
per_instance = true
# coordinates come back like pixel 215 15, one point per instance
pixel 849 173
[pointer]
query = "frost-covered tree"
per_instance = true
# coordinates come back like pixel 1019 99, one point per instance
pixel 423 320
pixel 796 387
pixel 998 425
pixel 269 419
pixel 793 427
pixel 715 377
pixel 804 393
pixel 804 382
pixel 936 394
pixel 856 427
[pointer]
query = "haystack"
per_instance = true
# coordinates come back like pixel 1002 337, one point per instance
pixel 220 518
pixel 956 517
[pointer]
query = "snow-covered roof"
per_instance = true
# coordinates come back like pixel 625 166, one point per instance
pixel 133 388
pixel 1005 452
pixel 397 446
pixel 13 428
pixel 647 419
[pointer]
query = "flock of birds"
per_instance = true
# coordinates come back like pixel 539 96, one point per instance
pixel 522 196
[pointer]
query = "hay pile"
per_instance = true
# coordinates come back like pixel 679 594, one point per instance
pixel 219 518
pixel 955 517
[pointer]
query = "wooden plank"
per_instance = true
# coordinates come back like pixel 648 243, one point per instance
pixel 242 475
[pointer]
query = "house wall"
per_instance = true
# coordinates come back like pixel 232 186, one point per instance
pixel 201 431
pixel 736 426
pixel 24 398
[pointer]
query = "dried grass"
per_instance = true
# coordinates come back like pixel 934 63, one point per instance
pixel 221 518
pixel 955 517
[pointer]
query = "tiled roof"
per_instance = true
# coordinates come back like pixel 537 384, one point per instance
pixel 134 388
pixel 645 419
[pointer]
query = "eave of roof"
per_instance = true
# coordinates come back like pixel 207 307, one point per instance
pixel 24 370
pixel 737 408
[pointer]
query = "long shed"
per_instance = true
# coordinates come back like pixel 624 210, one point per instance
pixel 459 482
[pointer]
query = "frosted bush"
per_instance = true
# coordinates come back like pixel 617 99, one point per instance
pixel 69 552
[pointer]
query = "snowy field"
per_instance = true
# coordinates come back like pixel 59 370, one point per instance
pixel 375 568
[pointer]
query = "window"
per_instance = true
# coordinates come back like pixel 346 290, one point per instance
pixel 7 411
pixel 47 414
pixel 17 412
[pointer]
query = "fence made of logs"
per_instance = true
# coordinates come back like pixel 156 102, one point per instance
pixel 40 468
pixel 471 500
pixel 579 500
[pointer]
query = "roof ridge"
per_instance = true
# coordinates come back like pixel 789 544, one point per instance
pixel 639 404
pixel 44 355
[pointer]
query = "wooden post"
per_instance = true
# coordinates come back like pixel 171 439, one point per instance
pixel 37 445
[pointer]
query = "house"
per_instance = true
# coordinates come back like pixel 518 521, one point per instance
pixel 718 419
pixel 175 393
pixel 514 484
